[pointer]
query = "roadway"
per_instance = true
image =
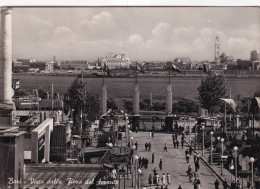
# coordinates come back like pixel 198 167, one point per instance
pixel 173 160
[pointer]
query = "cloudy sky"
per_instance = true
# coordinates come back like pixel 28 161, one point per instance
pixel 143 33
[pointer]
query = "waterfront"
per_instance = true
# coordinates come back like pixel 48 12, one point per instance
pixel 123 87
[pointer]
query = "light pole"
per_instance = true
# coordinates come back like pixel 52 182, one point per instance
pixel 235 156
pixel 252 169
pixel 139 175
pixel 211 150
pixel 222 151
pixel 134 171
pixel 195 130
pixel 203 127
pixel 189 130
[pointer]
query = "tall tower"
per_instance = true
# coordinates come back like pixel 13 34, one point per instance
pixel 217 50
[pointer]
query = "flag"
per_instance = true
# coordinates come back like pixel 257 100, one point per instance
pixel 258 101
pixel 138 68
pixel 231 102
pixel 174 68
pixel 106 69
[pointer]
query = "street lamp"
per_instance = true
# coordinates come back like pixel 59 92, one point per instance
pixel 195 129
pixel 211 150
pixel 189 129
pixel 135 167
pixel 252 169
pixel 222 151
pixel 235 156
pixel 203 127
pixel 139 175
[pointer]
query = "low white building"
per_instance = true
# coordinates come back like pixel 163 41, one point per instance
pixel 116 61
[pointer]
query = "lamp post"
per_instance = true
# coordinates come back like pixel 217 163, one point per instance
pixel 211 150
pixel 139 175
pixel 134 172
pixel 203 127
pixel 195 130
pixel 222 151
pixel 189 129
pixel 252 171
pixel 235 156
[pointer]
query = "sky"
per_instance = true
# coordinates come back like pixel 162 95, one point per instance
pixel 142 33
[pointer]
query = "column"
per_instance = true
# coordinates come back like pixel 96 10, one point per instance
pixel 136 99
pixel 6 92
pixel 104 99
pixel 169 99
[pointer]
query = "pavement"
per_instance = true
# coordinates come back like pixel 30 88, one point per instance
pixel 174 163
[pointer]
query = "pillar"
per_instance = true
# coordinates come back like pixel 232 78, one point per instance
pixel 104 99
pixel 169 99
pixel 136 99
pixel 6 91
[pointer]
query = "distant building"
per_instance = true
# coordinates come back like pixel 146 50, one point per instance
pixel 76 64
pixel 244 64
pixel 116 61
pixel 92 65
pixel 182 60
pixel 43 66
pixel 254 55
pixel 27 61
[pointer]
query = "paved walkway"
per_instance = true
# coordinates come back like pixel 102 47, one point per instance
pixel 174 163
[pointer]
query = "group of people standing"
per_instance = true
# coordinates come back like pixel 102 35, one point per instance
pixel 165 180
pixel 143 162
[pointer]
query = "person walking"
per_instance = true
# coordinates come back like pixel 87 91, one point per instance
pixel 163 179
pixel 194 157
pixel 187 158
pixel 153 158
pixel 182 143
pixel 150 180
pixel 146 146
pixel 136 145
pixel 179 187
pixel 198 184
pixel 165 147
pixel 152 134
pixel 197 166
pixel 168 178
pixel 157 179
pixel 225 185
pixel 140 162
pixel 154 180
pixel 149 146
pixel 160 164
pixel 216 183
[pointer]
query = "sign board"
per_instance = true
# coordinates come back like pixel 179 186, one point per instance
pixel 121 151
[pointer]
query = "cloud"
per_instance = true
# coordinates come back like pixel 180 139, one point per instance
pixel 64 33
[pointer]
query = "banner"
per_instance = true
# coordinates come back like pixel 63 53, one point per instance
pixel 231 102
pixel 258 101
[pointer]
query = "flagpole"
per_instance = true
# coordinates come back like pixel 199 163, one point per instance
pixel 169 77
